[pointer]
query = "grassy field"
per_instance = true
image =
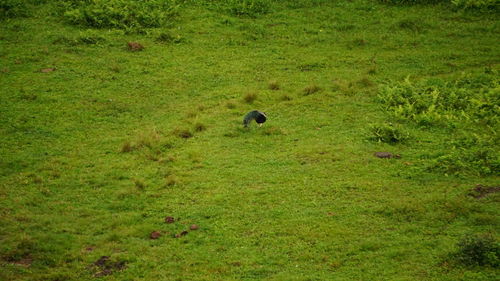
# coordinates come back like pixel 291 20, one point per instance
pixel 99 144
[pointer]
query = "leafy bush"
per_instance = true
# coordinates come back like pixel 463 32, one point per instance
pixel 389 133
pixel 482 250
pixel 473 99
pixel 473 153
pixel 467 108
pixel 12 9
pixel 123 14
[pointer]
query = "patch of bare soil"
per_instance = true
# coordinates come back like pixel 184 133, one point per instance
pixel 134 46
pixel 481 191
pixel 155 235
pixel 24 262
pixel 47 70
pixel 169 219
pixel 105 266
pixel 183 233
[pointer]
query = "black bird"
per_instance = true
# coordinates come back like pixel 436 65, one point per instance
pixel 259 117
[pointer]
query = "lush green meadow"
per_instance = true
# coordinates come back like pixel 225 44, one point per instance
pixel 100 143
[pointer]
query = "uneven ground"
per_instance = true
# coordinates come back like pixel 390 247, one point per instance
pixel 95 154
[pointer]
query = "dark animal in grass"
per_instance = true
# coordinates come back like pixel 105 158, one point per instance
pixel 259 117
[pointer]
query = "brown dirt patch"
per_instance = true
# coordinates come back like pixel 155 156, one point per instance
pixel 155 235
pixel 134 46
pixel 105 266
pixel 169 219
pixel 179 235
pixel 47 70
pixel 480 191
pixel 24 262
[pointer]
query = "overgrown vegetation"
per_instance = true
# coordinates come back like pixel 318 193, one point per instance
pixel 467 107
pixel 389 133
pixel 122 14
pixel 470 99
pixel 478 250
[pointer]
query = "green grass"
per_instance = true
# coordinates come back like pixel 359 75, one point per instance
pixel 95 154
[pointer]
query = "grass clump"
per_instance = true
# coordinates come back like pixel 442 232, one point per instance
pixel 183 133
pixel 139 184
pixel 250 98
pixel 344 87
pixel 171 180
pixel 365 82
pixel 200 127
pixel 478 250
pixel 166 37
pixel 389 133
pixel 414 25
pixel 286 97
pixel 273 85
pixel 311 89
pixel 148 139
pixel 122 14
pixel 127 147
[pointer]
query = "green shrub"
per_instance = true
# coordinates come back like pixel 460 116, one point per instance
pixel 12 9
pixel 478 250
pixel 122 14
pixel 473 99
pixel 476 154
pixel 467 108
pixel 388 133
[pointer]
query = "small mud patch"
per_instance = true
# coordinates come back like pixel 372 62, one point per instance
pixel 155 235
pixel 104 266
pixel 24 262
pixel 134 46
pixel 194 227
pixel 481 191
pixel 386 155
pixel 169 219
pixel 47 70
pixel 179 235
